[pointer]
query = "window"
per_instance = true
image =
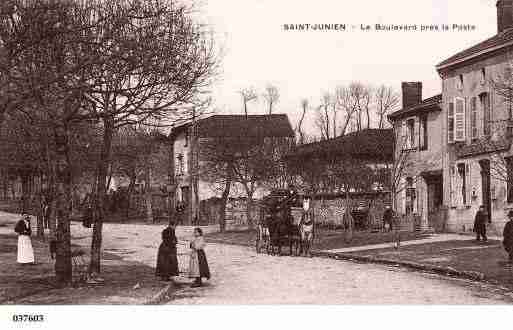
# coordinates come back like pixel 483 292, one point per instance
pixel 180 165
pixel 185 195
pixel 459 83
pixel 484 99
pixel 473 118
pixel 463 177
pixel 450 123
pixel 483 76
pixel 410 196
pixel 410 124
pixel 509 166
pixel 459 119
pixel 186 139
pixel 423 134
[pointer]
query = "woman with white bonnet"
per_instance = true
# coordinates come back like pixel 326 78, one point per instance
pixel 25 250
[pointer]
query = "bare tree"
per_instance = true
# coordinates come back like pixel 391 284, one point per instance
pixel 323 120
pixel 304 108
pixel 386 101
pixel 271 97
pixel 248 95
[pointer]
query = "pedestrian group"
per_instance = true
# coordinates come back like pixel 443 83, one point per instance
pixel 167 259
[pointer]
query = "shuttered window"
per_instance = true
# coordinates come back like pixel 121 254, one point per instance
pixel 484 99
pixel 509 167
pixel 459 119
pixel 450 123
pixel 423 133
pixel 463 183
pixel 411 133
pixel 473 118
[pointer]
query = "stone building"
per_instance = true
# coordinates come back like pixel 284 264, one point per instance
pixel 187 184
pixel 418 158
pixel 476 125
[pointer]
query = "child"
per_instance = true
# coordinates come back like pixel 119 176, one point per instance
pixel 198 266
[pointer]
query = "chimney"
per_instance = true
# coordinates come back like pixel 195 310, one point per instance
pixel 412 93
pixel 504 15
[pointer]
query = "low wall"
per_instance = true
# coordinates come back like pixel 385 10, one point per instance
pixel 329 209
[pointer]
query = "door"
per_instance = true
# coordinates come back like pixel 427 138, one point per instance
pixel 485 186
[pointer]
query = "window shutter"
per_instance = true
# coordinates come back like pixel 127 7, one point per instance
pixel 403 135
pixel 454 189
pixel 450 123
pixel 473 118
pixel 459 119
pixel 416 128
pixel 468 192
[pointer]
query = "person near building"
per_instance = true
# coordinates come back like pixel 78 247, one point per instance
pixel 388 218
pixel 198 265
pixel 24 231
pixel 480 223
pixel 508 236
pixel 167 261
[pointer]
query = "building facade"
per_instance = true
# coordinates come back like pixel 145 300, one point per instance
pixel 417 175
pixel 477 168
pixel 189 189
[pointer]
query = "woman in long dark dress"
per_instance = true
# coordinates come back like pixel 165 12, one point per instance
pixel 167 262
pixel 198 266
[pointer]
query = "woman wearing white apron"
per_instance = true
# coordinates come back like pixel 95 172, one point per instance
pixel 25 250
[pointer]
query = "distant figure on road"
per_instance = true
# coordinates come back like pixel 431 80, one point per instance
pixel 167 262
pixel 508 236
pixel 198 266
pixel 25 250
pixel 388 218
pixel 480 223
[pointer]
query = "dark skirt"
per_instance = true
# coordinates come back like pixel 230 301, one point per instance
pixel 203 264
pixel 167 262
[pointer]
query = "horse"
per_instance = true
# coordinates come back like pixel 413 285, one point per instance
pixel 306 226
pixel 282 231
pixel 263 236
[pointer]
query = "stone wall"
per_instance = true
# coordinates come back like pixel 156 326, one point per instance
pixel 330 209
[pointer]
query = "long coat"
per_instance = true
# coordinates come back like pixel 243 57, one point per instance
pixel 198 265
pixel 167 262
pixel 508 236
pixel 480 222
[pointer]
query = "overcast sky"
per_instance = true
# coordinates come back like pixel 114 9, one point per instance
pixel 303 64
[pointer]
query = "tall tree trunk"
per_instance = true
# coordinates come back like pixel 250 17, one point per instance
pixel 224 200
pixel 249 208
pixel 96 244
pixel 63 266
pixel 40 216
pixel 147 192
pixel 25 194
pixel 131 187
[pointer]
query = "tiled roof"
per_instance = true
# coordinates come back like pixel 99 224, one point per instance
pixel 497 41
pixel 428 105
pixel 482 147
pixel 275 125
pixel 369 143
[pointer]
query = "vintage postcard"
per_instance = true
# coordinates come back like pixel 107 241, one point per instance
pixel 271 157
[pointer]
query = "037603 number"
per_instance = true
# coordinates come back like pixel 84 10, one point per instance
pixel 28 318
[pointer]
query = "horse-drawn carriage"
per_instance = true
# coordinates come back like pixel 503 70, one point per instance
pixel 285 220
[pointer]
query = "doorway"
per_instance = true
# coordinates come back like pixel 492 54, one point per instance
pixel 485 186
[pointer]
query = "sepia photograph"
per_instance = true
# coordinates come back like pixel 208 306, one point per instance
pixel 160 155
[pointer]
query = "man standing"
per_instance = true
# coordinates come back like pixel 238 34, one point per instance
pixel 480 223
pixel 388 217
pixel 508 236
